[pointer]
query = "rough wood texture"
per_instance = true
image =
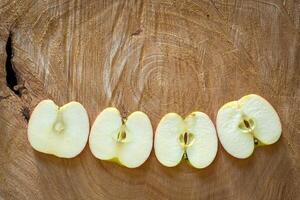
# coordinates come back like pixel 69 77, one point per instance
pixel 158 57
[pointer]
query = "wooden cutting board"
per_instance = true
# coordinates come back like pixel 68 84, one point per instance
pixel 157 57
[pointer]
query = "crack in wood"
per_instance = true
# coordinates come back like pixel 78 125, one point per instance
pixel 11 75
pixel 137 32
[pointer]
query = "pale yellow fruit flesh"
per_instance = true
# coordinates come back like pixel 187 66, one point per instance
pixel 126 142
pixel 204 148
pixel 193 139
pixel 266 120
pixel 167 145
pixel 247 123
pixel 62 132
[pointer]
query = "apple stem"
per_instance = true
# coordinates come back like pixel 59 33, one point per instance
pixel 258 143
pixel 185 157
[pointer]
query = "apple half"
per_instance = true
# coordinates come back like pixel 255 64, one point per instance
pixel 127 142
pixel 244 124
pixel 60 131
pixel 193 138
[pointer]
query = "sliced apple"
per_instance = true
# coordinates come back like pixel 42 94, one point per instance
pixel 60 131
pixel 125 141
pixel 193 138
pixel 244 124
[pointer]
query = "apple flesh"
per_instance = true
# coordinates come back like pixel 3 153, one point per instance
pixel 193 138
pixel 60 131
pixel 125 141
pixel 244 124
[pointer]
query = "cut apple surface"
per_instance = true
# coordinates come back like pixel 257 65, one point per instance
pixel 60 131
pixel 193 138
pixel 125 141
pixel 246 123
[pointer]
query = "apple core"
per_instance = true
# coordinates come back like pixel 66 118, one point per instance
pixel 247 125
pixel 121 134
pixel 59 125
pixel 186 139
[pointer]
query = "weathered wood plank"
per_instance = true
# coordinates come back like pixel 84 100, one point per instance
pixel 158 57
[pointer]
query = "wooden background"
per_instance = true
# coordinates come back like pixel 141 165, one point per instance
pixel 158 57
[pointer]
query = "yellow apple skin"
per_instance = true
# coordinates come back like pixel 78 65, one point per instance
pixel 116 160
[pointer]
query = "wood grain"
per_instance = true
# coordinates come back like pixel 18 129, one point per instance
pixel 158 57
